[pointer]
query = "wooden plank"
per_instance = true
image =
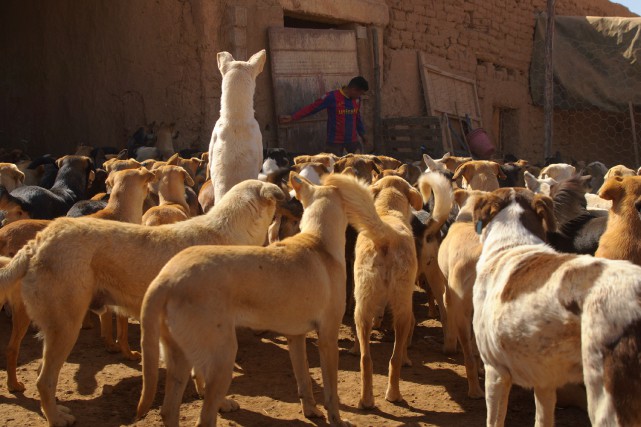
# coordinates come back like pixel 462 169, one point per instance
pixel 428 121
pixel 414 133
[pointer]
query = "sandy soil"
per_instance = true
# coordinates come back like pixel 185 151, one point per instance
pixel 103 389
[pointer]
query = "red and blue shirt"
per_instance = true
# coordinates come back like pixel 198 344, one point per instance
pixel 344 123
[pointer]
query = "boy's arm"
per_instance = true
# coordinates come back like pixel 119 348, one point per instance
pixel 313 108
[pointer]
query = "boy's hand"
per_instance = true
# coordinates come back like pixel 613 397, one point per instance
pixel 283 120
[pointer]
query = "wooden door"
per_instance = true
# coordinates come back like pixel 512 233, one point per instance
pixel 307 63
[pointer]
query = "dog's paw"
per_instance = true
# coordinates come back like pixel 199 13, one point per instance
pixel 132 355
pixel 407 362
pixel 393 395
pixel 366 403
pixel 16 387
pixel 111 347
pixel 229 405
pixel 475 394
pixel 311 411
pixel 63 417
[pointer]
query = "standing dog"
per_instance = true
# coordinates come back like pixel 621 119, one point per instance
pixel 112 264
pixel 236 147
pixel 125 204
pixel 302 289
pixel 171 191
pixel 482 175
pixel 385 270
pixel 621 239
pixel 544 319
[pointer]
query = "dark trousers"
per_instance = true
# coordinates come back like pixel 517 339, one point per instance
pixel 337 149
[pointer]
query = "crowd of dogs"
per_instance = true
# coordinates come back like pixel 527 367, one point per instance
pixel 532 271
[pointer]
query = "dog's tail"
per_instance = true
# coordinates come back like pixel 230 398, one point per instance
pixel 443 199
pixel 359 206
pixel 13 269
pixel 151 318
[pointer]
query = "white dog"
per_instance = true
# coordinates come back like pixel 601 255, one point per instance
pixel 544 319
pixel 236 147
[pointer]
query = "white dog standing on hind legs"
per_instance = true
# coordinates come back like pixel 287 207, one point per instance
pixel 236 147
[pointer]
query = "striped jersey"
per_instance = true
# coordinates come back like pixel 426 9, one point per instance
pixel 344 123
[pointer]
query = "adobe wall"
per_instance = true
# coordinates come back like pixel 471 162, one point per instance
pixel 92 72
pixel 486 40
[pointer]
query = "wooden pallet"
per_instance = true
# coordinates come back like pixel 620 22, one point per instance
pixel 403 137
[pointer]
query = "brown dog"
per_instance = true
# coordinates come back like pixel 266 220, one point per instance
pixel 621 239
pixel 10 176
pixel 171 191
pixel 112 264
pixel 125 204
pixel 302 289
pixel 457 258
pixel 385 271
pixel 479 175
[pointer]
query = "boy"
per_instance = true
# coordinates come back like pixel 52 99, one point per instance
pixel 344 123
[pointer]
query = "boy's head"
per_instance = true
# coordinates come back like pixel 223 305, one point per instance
pixel 356 87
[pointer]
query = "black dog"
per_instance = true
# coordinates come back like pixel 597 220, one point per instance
pixel 69 187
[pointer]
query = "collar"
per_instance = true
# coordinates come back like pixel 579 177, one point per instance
pixel 342 92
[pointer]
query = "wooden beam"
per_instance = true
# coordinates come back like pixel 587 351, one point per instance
pixel 634 136
pixel 548 103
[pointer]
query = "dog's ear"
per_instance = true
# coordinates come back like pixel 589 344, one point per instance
pixel 486 208
pixel 188 181
pixel 257 61
pixel 544 208
pixel 446 156
pixel 150 176
pixel 224 59
pixel 60 161
pixel 415 198
pixel 272 192
pixel 123 155
pixel 403 170
pixel 531 182
pixel 466 171
pixel 498 171
pixel 173 160
pixel 299 184
pixel 430 163
pixel 460 197
pixel 17 173
pixel 109 182
pixel 612 189
pixel 375 176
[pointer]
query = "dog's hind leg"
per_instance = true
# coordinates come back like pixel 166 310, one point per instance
pixel 328 349
pixel 20 324
pixel 106 330
pixel 59 339
pixel 298 356
pixel 464 328
pixel 402 324
pixel 545 399
pixel 363 323
pixel 178 374
pixel 122 333
pixel 218 372
pixel 497 388
pixel 437 284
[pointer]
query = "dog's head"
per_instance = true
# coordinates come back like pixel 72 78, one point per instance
pixel 537 185
pixel 173 178
pixel 452 163
pixel 486 173
pixel 115 164
pixel 533 212
pixel 399 194
pixel 11 208
pixel 625 193
pixel 252 68
pixel 130 179
pixel 10 176
pixel 619 170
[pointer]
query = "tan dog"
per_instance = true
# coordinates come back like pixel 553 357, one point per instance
pixel 448 162
pixel 557 171
pixel 112 265
pixel 457 258
pixel 385 271
pixel 618 170
pixel 11 208
pixel 10 176
pixel 363 167
pixel 171 190
pixel 621 239
pixel 206 196
pixel 191 165
pixel 479 175
pixel 305 274
pixel 125 204
pixel 328 159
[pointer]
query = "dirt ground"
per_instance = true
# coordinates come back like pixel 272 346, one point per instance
pixel 102 389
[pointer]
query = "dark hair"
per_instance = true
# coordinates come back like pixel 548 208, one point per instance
pixel 359 82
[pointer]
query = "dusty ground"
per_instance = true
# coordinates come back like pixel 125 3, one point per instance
pixel 102 389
